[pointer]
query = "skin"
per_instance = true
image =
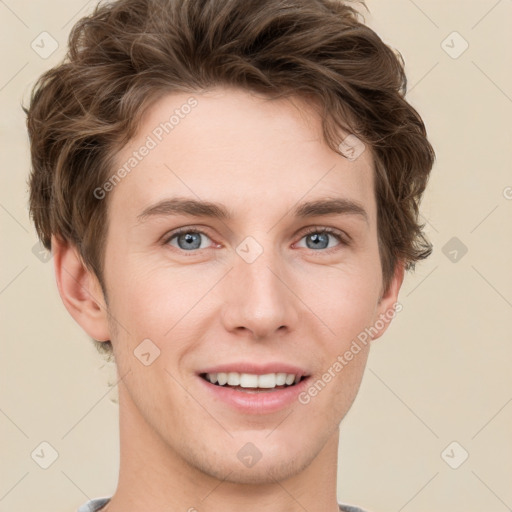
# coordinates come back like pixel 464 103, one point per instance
pixel 303 305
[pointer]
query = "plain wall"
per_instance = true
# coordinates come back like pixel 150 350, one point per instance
pixel 440 374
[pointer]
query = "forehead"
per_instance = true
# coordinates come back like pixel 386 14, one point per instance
pixel 237 148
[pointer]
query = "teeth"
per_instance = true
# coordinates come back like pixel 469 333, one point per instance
pixel 233 379
pixel 290 379
pixel 249 380
pixel 267 381
pixel 280 379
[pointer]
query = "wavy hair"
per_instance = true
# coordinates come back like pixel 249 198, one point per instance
pixel 129 53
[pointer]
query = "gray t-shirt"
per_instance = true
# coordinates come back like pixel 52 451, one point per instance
pixel 96 504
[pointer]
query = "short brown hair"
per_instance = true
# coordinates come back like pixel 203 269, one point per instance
pixel 129 53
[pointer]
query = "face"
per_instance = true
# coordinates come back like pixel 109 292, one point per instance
pixel 255 287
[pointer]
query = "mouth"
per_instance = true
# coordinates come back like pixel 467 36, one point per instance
pixel 251 388
pixel 253 383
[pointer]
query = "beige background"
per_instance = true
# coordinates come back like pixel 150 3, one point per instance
pixel 440 374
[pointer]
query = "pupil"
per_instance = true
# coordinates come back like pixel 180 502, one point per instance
pixel 190 238
pixel 319 238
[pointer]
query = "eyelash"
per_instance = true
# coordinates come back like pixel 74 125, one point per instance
pixel 343 239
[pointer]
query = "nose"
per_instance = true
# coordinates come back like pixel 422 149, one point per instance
pixel 259 297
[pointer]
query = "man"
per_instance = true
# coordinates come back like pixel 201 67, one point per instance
pixel 230 190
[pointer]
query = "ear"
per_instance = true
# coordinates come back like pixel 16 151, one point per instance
pixel 388 305
pixel 80 290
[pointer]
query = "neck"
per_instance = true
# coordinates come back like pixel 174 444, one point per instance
pixel 154 477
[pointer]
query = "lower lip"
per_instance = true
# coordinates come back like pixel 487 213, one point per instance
pixel 259 402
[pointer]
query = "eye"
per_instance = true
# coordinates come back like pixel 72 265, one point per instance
pixel 187 239
pixel 190 239
pixel 319 238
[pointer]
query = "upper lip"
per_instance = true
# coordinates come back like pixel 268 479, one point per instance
pixel 256 369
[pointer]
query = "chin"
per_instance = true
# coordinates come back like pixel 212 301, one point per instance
pixel 271 467
pixel 261 474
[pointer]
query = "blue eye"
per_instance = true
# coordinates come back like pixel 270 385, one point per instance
pixel 319 238
pixel 187 239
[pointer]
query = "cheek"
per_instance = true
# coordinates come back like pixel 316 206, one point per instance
pixel 346 300
pixel 353 309
pixel 151 299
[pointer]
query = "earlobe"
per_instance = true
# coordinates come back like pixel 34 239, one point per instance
pixel 80 290
pixel 388 305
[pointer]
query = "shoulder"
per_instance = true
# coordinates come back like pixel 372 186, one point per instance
pixel 96 504
pixel 93 505
pixel 350 508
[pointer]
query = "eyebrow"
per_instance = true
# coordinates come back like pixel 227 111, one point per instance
pixel 198 208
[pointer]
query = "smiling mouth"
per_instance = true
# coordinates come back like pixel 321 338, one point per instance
pixel 252 383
